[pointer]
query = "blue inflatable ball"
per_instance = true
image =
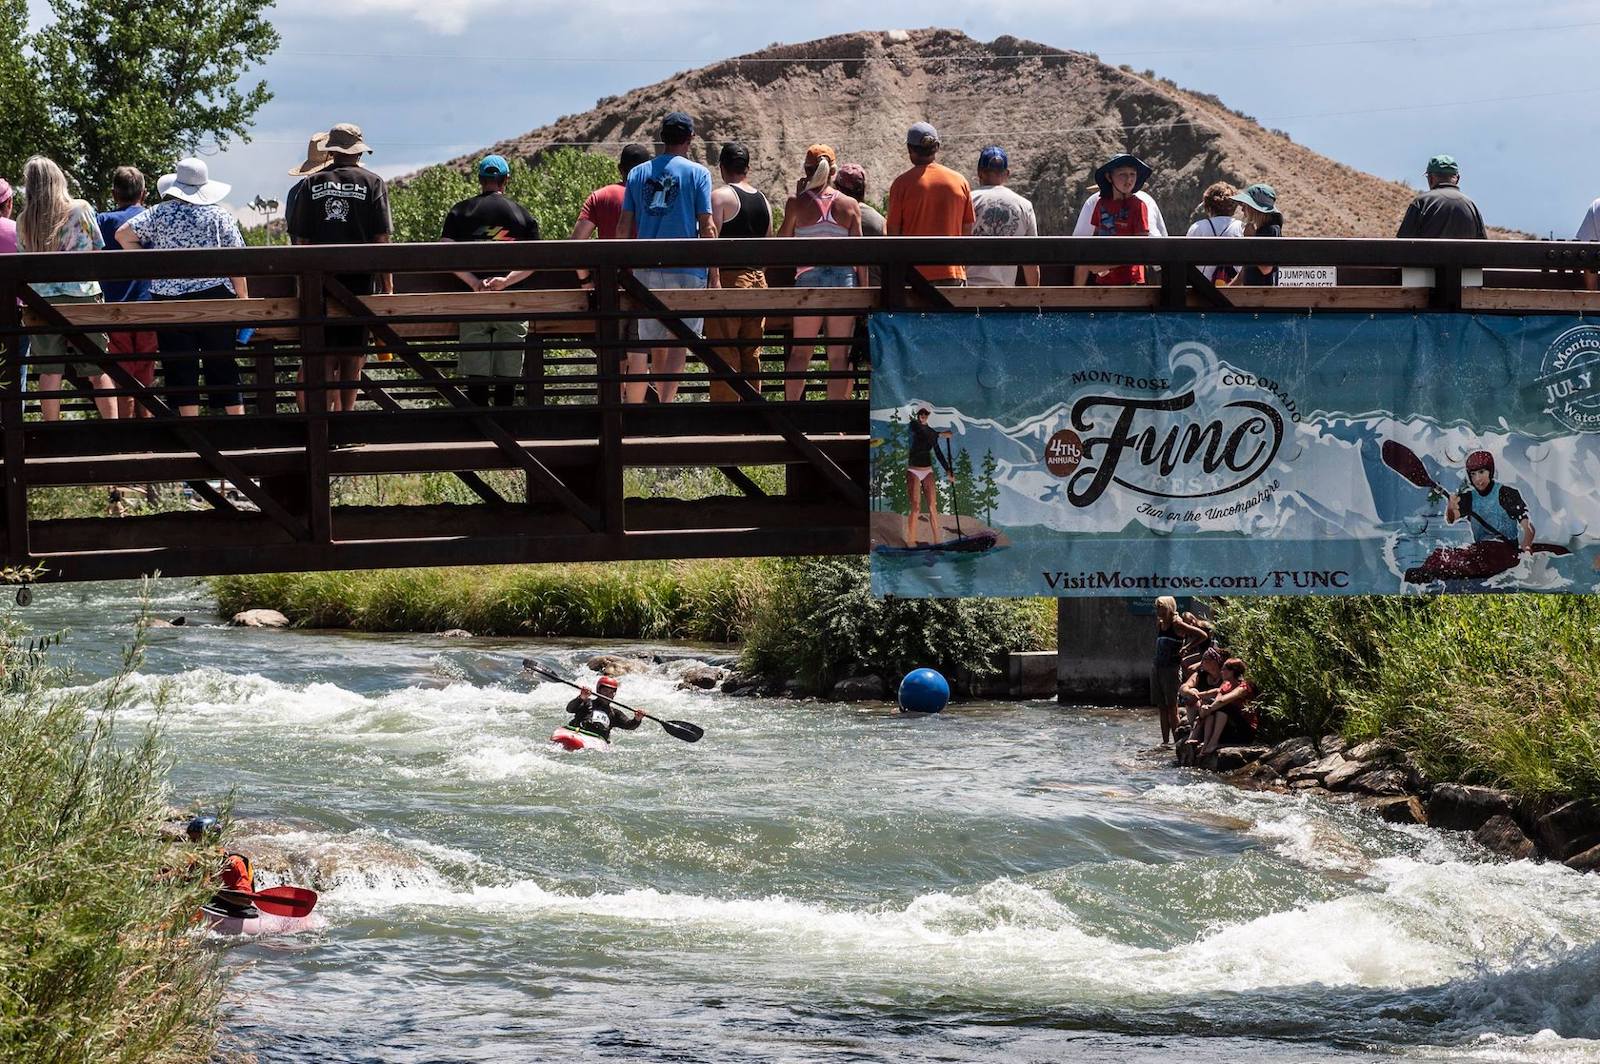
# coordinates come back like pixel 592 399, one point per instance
pixel 924 691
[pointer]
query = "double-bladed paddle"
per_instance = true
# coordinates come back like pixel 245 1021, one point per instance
pixel 678 729
pixel 279 901
pixel 1403 460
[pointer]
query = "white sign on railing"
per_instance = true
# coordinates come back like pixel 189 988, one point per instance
pixel 1307 276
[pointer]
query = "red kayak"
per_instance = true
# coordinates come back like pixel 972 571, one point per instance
pixel 1477 561
pixel 225 923
pixel 572 739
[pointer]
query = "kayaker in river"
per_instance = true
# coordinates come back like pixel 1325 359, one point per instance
pixel 593 713
pixel 233 870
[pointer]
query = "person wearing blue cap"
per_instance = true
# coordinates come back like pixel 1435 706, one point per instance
pixel 998 211
pixel 1444 212
pixel 667 198
pixel 490 215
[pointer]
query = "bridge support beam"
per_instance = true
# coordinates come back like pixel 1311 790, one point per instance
pixel 1103 650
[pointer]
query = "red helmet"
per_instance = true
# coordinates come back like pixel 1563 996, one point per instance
pixel 1480 460
pixel 606 681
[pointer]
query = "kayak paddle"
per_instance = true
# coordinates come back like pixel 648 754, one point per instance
pixel 279 901
pixel 678 729
pixel 1403 460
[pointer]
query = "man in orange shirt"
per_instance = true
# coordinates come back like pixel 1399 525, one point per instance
pixel 930 200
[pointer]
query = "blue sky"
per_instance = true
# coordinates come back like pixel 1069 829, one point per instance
pixel 1510 90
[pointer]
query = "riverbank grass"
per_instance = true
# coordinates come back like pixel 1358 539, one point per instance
pixel 1498 690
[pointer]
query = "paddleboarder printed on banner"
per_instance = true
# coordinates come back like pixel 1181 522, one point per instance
pixel 1501 528
pixel 594 713
pixel 921 484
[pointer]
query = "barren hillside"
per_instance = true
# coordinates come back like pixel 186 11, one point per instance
pixel 1058 113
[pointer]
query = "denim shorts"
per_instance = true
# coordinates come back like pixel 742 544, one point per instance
pixel 649 328
pixel 827 277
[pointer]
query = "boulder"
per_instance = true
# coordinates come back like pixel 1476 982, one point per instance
pixel 1340 777
pixel 1587 861
pixel 701 677
pixel 1460 807
pixel 1256 776
pixel 1569 829
pixel 1305 785
pixel 1373 750
pixel 1291 754
pixel 1387 779
pixel 1402 809
pixel 1332 744
pixel 1500 834
pixel 794 688
pixel 738 683
pixel 259 619
pixel 1230 758
pixel 455 633
pixel 1316 771
pixel 867 688
pixel 617 665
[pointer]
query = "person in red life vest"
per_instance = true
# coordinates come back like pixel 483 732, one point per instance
pixel 1120 208
pixel 1501 528
pixel 1229 717
pixel 594 712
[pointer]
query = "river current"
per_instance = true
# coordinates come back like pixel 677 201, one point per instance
pixel 813 882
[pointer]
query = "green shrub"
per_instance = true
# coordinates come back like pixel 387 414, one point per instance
pixel 97 962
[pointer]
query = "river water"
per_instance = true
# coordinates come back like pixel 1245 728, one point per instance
pixel 813 882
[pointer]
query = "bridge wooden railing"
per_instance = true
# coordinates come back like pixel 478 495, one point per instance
pixel 269 476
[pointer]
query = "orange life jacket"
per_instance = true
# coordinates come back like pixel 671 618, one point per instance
pixel 238 873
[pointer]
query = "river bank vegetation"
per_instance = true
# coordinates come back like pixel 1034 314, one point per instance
pixel 97 959
pixel 1498 690
pixel 811 619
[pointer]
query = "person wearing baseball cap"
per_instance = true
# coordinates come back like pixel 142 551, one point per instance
pixel 344 203
pixel 998 211
pixel 667 198
pixel 930 200
pixel 1443 212
pixel 490 215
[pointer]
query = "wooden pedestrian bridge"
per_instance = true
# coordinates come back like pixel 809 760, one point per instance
pixel 547 476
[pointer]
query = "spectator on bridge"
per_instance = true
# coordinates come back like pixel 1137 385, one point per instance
pixel 1121 207
pixel 1261 218
pixel 930 200
pixel 192 216
pixel 668 197
pixel 490 215
pixel 345 203
pixel 817 211
pixel 1589 229
pixel 317 160
pixel 998 211
pixel 1219 206
pixel 8 246
pixel 1444 211
pixel 52 220
pixel 137 347
pixel 603 209
pixel 852 181
pixel 741 211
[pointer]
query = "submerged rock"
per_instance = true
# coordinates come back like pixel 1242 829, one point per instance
pixel 259 619
pixel 868 688
pixel 1587 861
pixel 1255 776
pixel 702 677
pixel 1461 807
pixel 1404 809
pixel 1501 835
pixel 617 665
pixel 455 633
pixel 1569 829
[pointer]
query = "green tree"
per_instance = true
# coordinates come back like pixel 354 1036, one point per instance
pixel 138 82
pixel 988 496
pixel 963 487
pixel 553 189
pixel 892 460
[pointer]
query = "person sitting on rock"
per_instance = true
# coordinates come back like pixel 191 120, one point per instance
pixel 1199 685
pixel 1228 717
pixel 594 712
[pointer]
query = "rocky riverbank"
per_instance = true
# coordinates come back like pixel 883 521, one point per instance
pixel 1384 779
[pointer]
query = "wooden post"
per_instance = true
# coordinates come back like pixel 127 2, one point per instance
pixel 609 332
pixel 314 357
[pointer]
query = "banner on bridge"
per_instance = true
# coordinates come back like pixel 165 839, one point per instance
pixel 1261 454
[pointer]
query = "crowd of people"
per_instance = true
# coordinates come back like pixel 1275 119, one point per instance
pixel 338 200
pixel 1203 698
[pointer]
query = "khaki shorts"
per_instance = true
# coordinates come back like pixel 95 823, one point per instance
pixel 482 363
pixel 52 351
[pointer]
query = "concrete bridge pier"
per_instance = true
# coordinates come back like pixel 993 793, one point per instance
pixel 1103 650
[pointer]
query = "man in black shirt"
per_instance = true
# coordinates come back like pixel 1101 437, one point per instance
pixel 1444 211
pixel 491 215
pixel 345 204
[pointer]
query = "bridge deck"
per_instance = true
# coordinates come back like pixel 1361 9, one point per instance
pixel 547 476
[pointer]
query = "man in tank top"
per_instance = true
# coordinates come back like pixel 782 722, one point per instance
pixel 739 211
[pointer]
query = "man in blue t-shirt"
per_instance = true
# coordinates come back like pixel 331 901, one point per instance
pixel 137 347
pixel 667 198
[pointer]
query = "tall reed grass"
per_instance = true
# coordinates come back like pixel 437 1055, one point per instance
pixel 1500 690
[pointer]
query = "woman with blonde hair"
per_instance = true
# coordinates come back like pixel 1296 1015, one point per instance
pixel 817 209
pixel 51 220
pixel 1166 670
pixel 1220 207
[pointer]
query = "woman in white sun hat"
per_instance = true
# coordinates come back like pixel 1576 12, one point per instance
pixel 192 216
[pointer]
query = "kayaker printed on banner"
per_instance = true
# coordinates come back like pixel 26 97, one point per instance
pixel 1136 454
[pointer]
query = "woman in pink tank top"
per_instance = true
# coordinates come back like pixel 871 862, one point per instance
pixel 817 209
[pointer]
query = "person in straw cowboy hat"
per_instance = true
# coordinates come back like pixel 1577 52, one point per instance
pixel 191 215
